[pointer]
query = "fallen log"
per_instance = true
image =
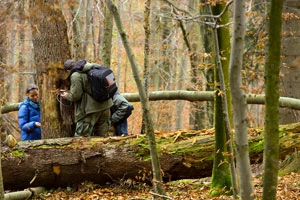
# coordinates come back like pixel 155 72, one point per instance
pixel 67 161
pixel 284 102
pixel 25 194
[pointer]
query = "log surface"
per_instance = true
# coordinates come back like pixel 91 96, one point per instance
pixel 67 161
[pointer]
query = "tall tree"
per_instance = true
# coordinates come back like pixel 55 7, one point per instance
pixel 76 24
pixel 51 49
pixel 107 37
pixel 271 135
pixel 194 45
pixel 221 172
pixel 291 59
pixel 88 14
pixel 207 61
pixel 239 102
pixel 157 176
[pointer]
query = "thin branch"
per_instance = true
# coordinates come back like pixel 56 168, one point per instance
pixel 159 195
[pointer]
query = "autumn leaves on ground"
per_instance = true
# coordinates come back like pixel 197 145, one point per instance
pixel 288 189
pixel 288 186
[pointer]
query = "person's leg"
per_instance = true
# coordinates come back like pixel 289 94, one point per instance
pixel 101 123
pixel 121 127
pixel 83 128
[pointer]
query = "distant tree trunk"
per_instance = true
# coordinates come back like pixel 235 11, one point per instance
pixel 1 177
pixel 51 49
pixel 290 65
pixel 76 47
pixel 207 37
pixel 3 53
pixel 179 115
pixel 239 102
pixel 194 44
pixel 87 29
pixel 272 81
pixel 12 60
pixel 157 176
pixel 2 80
pixel 165 71
pixel 147 29
pixel 107 37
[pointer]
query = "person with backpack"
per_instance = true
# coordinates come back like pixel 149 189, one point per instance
pixel 29 115
pixel 92 117
pixel 120 111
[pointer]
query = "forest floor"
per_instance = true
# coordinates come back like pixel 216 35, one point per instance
pixel 288 189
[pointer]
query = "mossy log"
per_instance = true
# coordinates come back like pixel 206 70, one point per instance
pixel 67 161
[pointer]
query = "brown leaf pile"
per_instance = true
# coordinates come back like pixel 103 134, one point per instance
pixel 288 189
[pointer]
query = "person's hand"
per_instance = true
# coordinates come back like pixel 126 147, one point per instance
pixel 64 95
pixel 38 124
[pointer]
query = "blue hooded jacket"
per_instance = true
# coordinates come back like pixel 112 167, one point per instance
pixel 29 113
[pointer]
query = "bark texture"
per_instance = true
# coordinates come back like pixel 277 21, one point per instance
pixel 66 161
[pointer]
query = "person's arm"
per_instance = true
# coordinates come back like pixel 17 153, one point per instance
pixel 23 119
pixel 76 89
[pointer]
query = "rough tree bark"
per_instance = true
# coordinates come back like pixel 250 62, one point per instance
pixel 272 91
pixel 51 49
pixel 66 161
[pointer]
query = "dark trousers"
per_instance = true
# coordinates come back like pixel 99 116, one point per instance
pixel 121 127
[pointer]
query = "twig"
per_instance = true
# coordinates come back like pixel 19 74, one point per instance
pixel 159 195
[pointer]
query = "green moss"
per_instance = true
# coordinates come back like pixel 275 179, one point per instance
pixel 256 146
pixel 18 153
pixel 169 146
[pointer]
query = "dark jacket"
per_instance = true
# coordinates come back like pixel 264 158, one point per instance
pixel 29 113
pixel 121 109
pixel 80 90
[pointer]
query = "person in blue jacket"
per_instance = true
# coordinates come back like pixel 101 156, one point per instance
pixel 29 115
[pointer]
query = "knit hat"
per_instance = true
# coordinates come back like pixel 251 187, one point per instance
pixel 69 64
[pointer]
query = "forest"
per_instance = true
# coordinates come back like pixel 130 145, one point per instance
pixel 214 89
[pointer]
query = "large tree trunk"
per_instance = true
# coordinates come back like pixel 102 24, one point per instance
pixel 66 161
pixel 51 49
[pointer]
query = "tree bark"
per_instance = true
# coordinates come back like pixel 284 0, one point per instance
pixel 239 103
pixel 66 161
pixel 272 91
pixel 224 176
pixel 51 49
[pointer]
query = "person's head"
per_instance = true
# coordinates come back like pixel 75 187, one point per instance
pixel 32 92
pixel 69 64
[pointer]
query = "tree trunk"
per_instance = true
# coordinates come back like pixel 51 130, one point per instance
pixel 51 49
pixel 157 176
pixel 66 161
pixel 239 103
pixel 76 26
pixel 290 59
pixel 107 37
pixel 223 177
pixel 272 91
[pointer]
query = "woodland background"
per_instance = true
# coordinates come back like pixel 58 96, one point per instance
pixel 36 40
pixel 169 64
